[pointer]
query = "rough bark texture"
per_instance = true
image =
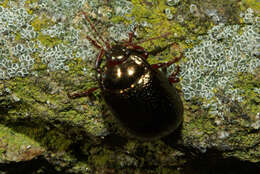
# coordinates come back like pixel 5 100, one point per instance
pixel 43 131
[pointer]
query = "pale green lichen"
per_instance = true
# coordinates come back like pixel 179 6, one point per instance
pixel 62 62
pixel 17 146
pixel 154 22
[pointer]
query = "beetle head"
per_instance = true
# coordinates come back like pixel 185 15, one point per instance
pixel 123 68
pixel 117 55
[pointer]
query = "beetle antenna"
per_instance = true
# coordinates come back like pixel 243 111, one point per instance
pixel 94 28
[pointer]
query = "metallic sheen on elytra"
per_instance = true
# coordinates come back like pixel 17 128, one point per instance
pixel 140 97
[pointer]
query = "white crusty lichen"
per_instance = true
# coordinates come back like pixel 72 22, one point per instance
pixel 21 43
pixel 213 63
pixel 220 55
pixel 217 59
pixel 172 2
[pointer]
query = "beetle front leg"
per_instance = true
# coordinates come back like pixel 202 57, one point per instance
pixel 137 48
pixel 99 59
pixel 94 28
pixel 133 46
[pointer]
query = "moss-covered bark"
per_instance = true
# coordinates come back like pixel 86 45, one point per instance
pixel 38 120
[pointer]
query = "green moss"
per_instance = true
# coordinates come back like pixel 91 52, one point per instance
pixel 44 106
pixel 82 167
pixel 102 159
pixel 14 144
pixel 248 83
pixel 130 146
pixel 248 140
pixel 56 141
pixel 254 4
pixel 32 134
pixel 155 16
pixel 251 144
pixel 18 36
pixel 169 31
pixel 30 1
pixel 39 23
pixel 48 41
pixel 167 171
pixel 119 19
pixel 37 99
pixel 4 3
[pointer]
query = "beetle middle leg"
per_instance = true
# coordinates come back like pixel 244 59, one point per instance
pixel 167 64
pixel 98 62
pixel 137 48
pixel 134 46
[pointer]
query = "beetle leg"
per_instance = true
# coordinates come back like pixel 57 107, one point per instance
pixel 131 34
pixel 172 78
pixel 101 53
pixel 137 47
pixel 82 94
pixel 91 90
pixel 160 65
pixel 94 42
pixel 94 28
pixel 99 59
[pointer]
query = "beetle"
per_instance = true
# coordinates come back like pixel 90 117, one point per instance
pixel 138 94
